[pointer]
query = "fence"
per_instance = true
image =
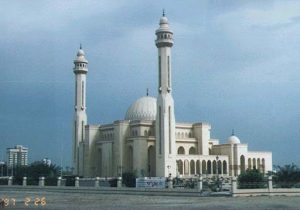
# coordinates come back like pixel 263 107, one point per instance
pixel 265 188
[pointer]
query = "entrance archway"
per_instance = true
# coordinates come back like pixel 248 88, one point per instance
pixel 151 161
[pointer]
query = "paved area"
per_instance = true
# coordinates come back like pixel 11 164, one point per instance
pixel 39 199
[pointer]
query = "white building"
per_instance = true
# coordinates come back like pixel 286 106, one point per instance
pixel 149 141
pixel 17 156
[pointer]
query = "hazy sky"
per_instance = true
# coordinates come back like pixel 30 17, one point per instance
pixel 236 65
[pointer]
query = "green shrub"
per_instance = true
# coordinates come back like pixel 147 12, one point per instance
pixel 251 179
pixel 128 179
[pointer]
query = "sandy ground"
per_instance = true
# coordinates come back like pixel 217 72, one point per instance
pixel 60 200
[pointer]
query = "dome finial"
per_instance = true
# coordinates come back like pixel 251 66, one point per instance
pixel 163 13
pixel 232 132
pixel 80 47
pixel 147 91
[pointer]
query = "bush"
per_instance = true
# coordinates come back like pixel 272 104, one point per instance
pixel 70 180
pixel 113 182
pixel 287 176
pixel 129 179
pixel 251 179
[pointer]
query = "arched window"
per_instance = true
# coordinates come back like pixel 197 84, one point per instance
pixel 165 36
pixel 186 167
pixel 180 151
pixel 192 166
pixel 198 167
pixel 192 151
pixel 263 166
pixel 149 133
pixel 182 135
pixel 190 135
pixel 258 164
pixel 254 163
pixel 180 166
pixel 130 159
pixel 243 167
pixel 249 164
pixel 203 167
pixel 209 167
pixel 145 133
pixel 214 167
pixel 219 167
pixel 151 161
pixel 224 167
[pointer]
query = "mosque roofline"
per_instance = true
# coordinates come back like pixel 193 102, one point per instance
pixel 260 152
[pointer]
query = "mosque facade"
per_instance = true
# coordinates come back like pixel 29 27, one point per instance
pixel 148 141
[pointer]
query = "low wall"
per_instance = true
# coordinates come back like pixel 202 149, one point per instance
pixel 269 191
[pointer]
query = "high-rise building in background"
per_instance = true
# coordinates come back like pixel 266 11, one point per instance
pixel 17 156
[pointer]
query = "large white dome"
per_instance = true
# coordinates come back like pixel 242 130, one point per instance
pixel 142 109
pixel 233 140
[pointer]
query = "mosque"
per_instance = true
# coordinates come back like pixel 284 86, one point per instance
pixel 148 141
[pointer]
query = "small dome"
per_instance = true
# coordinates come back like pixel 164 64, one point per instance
pixel 233 140
pixel 80 57
pixel 80 52
pixel 142 109
pixel 163 20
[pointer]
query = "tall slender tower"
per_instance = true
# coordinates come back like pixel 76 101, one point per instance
pixel 80 117
pixel 165 118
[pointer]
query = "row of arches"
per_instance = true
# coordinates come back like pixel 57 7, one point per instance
pixel 81 65
pixel 192 167
pixel 181 151
pixel 253 163
pixel 164 36
pixel 146 133
pixel 181 135
pixel 107 135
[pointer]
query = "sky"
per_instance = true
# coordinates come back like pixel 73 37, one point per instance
pixel 235 64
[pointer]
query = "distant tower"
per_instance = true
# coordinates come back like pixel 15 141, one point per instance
pixel 165 119
pixel 80 117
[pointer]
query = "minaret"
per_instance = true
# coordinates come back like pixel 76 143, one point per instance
pixel 165 119
pixel 80 117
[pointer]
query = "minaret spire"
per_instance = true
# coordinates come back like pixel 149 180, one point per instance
pixel 80 117
pixel 163 14
pixel 147 92
pixel 165 118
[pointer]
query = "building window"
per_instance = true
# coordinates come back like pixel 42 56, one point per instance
pixel 192 151
pixel 180 151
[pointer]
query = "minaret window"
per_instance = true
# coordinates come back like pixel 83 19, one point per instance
pixel 82 94
pixel 76 93
pixel 159 127
pixel 169 71
pixel 82 127
pixel 159 70
pixel 75 135
pixel 170 140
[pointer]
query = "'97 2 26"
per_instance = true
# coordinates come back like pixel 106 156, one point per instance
pixel 27 201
